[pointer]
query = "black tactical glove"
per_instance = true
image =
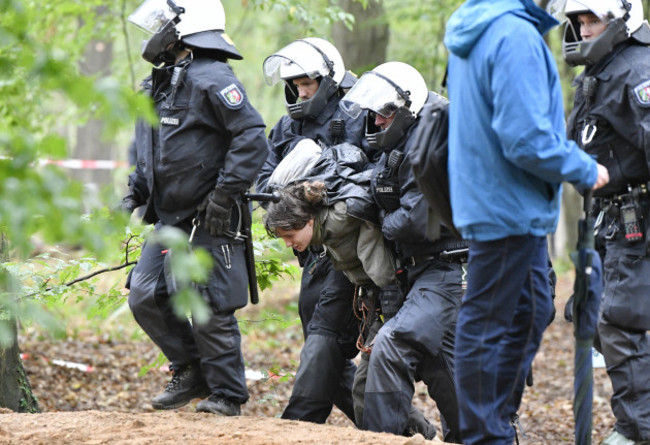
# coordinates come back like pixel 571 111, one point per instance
pixel 391 299
pixel 217 206
pixel 135 197
pixel 130 202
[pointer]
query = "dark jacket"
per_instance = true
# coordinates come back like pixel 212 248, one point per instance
pixel 620 112
pixel 208 135
pixel 288 132
pixel 407 217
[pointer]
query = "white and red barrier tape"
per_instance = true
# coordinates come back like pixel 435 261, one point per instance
pixel 86 164
pixel 82 164
pixel 64 363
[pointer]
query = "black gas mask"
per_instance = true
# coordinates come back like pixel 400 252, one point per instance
pixel 312 107
pixel 389 138
pixel 158 49
pixel 576 51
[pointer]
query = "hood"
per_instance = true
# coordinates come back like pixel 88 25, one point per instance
pixel 467 24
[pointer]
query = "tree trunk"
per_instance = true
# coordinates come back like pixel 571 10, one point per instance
pixel 15 390
pixel 365 46
pixel 91 144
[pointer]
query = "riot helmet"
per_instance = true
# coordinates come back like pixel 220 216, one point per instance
pixel 311 57
pixel 392 89
pixel 174 24
pixel 623 20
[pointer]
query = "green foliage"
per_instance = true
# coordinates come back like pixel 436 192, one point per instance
pixel 310 15
pixel 271 267
pixel 40 52
pixel 28 402
pixel 422 21
pixel 160 361
pixel 272 322
pixel 272 376
pixel 37 287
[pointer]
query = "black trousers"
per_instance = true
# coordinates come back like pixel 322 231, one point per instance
pixel 623 331
pixel 417 344
pixel 216 344
pixel 326 371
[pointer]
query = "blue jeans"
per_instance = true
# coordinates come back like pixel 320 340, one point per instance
pixel 502 318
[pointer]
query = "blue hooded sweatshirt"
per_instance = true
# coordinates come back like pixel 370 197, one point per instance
pixel 508 151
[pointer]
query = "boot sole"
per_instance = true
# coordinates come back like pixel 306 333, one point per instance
pixel 199 395
pixel 217 412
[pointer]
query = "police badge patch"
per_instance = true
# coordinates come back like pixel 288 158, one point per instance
pixel 232 96
pixel 642 93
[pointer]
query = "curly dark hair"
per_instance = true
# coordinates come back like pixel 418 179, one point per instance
pixel 299 203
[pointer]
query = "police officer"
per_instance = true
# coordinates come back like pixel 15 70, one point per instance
pixel 417 339
pixel 315 79
pixel 191 170
pixel 611 120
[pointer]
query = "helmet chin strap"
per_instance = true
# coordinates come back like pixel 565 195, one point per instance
pixel 326 59
pixel 178 10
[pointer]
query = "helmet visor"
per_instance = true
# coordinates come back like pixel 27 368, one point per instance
pixel 298 59
pixel 601 9
pixel 373 93
pixel 556 9
pixel 152 15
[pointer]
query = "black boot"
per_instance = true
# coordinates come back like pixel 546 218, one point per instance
pixel 417 423
pixel 218 405
pixel 186 384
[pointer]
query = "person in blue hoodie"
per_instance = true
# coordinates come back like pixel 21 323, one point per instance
pixel 508 155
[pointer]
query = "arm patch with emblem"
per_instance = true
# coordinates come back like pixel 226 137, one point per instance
pixel 642 93
pixel 232 96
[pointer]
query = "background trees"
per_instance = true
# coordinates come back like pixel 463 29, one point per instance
pixel 69 76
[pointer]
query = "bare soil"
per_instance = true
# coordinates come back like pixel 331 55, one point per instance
pixel 110 402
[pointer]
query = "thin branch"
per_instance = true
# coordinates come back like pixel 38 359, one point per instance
pixel 97 272
pixel 108 269
pixel 126 263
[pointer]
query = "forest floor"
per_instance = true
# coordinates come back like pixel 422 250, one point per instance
pixel 92 389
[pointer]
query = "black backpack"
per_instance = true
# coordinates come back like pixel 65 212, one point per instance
pixel 429 154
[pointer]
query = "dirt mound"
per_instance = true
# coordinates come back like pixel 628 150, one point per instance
pixel 95 428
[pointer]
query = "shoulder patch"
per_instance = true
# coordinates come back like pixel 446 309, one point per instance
pixel 642 93
pixel 232 96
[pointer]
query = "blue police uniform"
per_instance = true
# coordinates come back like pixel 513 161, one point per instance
pixel 418 342
pixel 618 114
pixel 208 135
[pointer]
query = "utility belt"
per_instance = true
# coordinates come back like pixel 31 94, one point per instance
pixel 629 209
pixel 451 252
pixel 640 192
